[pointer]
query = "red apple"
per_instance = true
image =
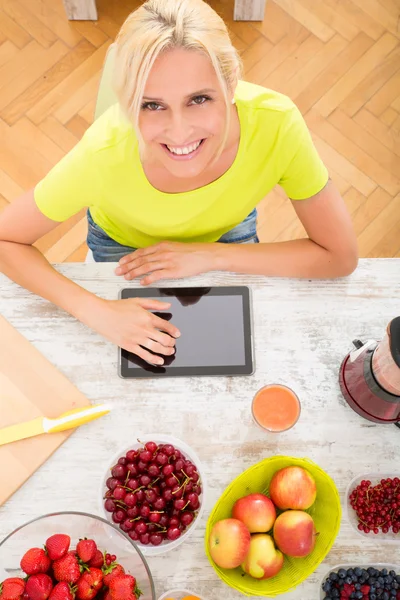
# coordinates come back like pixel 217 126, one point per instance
pixel 263 559
pixel 294 533
pixel 293 487
pixel 229 543
pixel 256 511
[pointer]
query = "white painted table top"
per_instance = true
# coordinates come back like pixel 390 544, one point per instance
pixel 302 329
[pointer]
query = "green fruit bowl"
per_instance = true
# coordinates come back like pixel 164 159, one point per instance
pixel 326 513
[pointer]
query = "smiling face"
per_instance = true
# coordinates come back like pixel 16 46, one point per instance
pixel 183 114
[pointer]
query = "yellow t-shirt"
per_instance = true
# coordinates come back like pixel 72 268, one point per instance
pixel 104 172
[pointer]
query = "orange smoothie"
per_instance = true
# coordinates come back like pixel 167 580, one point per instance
pixel 276 408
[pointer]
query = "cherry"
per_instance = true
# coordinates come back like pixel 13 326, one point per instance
pixel 164 520
pixel 122 460
pixel 118 516
pixel 193 500
pixel 141 466
pixel 154 517
pixel 133 512
pixel 145 539
pixel 156 539
pixel 179 464
pixel 132 469
pixel 128 525
pixel 159 504
pixel 140 495
pixel 145 480
pixel 179 504
pixel 145 456
pixel 154 470
pixel 112 483
pixel 168 470
pixel 173 533
pixel 134 536
pixel 119 471
pixel 167 495
pixel 174 522
pixel 171 481
pixel 119 493
pixel 151 447
pixel 141 527
pixel 145 511
pixel 187 518
pixel 131 455
pixel 162 458
pixel 132 484
pixel 130 500
pixel 109 505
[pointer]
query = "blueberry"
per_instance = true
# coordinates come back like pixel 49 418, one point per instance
pixel 359 595
pixel 392 573
pixel 393 593
pixel 333 576
pixel 385 596
pixel 358 571
pixel 364 572
pixel 335 593
pixel 342 574
pixel 397 578
pixel 371 571
pixel 327 586
pixel 384 572
pixel 349 580
pixel 395 585
pixel 372 589
pixel 371 580
pixel 381 580
pixel 350 572
pixel 358 587
pixel 373 596
pixel 389 579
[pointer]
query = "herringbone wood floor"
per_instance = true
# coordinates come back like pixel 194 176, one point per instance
pixel 339 60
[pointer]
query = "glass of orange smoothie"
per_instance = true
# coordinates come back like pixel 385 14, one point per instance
pixel 276 408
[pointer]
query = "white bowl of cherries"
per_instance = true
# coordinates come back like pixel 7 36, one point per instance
pixel 154 491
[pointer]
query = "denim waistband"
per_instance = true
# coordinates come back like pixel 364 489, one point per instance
pixel 105 249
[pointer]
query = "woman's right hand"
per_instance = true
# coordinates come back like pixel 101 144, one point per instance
pixel 129 324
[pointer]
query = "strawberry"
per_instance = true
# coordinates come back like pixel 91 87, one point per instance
pixel 57 546
pixel 86 550
pixel 12 588
pixel 67 568
pixel 62 591
pixel 97 561
pixel 38 587
pixel 89 584
pixel 123 588
pixel 112 572
pixel 35 561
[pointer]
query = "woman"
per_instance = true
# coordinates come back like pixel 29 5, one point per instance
pixel 172 175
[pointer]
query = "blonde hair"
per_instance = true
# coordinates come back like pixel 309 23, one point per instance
pixel 161 25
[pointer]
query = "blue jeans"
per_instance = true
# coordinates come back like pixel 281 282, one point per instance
pixel 105 249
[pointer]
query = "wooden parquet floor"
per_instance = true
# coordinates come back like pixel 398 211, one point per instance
pixel 339 60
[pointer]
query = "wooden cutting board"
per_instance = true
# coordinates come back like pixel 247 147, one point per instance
pixel 30 386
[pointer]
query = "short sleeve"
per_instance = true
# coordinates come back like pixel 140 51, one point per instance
pixel 304 174
pixel 69 186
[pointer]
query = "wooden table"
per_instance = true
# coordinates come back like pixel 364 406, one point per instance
pixel 244 10
pixel 303 330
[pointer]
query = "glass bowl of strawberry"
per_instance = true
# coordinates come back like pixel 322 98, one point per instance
pixel 72 556
pixel 154 491
pixel 373 506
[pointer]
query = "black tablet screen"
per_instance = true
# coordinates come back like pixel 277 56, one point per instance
pixel 215 331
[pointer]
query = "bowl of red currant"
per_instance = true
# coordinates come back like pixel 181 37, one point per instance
pixel 153 490
pixel 373 506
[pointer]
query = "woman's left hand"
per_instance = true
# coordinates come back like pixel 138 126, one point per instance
pixel 168 260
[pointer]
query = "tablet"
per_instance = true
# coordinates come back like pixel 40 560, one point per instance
pixel 216 336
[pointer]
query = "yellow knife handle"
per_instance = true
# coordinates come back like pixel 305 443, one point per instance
pixel 69 421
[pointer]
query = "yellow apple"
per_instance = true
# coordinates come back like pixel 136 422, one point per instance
pixel 263 559
pixel 294 533
pixel 229 543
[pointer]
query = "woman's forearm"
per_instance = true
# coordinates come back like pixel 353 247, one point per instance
pixel 296 258
pixel 28 267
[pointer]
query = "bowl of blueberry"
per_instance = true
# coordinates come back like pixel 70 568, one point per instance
pixel 154 490
pixel 361 582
